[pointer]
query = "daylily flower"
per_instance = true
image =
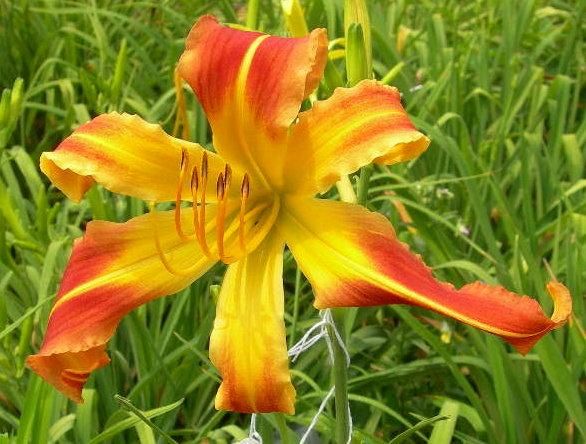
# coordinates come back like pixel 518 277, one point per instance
pixel 249 200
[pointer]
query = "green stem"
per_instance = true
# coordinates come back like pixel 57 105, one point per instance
pixel 363 183
pixel 252 14
pixel 340 382
pixel 282 427
pixel 127 405
pixel 97 204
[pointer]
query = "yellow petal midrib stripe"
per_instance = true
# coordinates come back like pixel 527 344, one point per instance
pixel 112 275
pixel 395 287
pixel 115 275
pixel 210 228
pixel 242 109
pixel 118 149
pixel 341 135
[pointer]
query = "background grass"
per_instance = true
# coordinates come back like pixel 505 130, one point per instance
pixel 497 85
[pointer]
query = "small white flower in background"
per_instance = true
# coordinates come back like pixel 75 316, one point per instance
pixel 463 229
pixel 446 333
pixel 442 193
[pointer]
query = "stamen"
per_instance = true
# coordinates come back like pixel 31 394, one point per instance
pixel 186 272
pixel 201 234
pixel 198 184
pixel 183 168
pixel 244 193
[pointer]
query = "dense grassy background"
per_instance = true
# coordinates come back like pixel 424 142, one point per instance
pixel 497 85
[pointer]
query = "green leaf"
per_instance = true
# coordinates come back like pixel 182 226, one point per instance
pixel 443 431
pixel 127 423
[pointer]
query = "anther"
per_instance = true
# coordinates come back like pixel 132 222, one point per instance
pixel 220 187
pixel 227 176
pixel 204 166
pixel 183 158
pixel 194 179
pixel 183 168
pixel 245 187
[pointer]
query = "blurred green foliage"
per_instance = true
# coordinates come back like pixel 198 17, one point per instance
pixel 499 88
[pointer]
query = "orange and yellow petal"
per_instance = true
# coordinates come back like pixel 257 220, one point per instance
pixel 113 269
pixel 354 127
pixel 248 344
pixel 353 258
pixel 127 155
pixel 251 87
